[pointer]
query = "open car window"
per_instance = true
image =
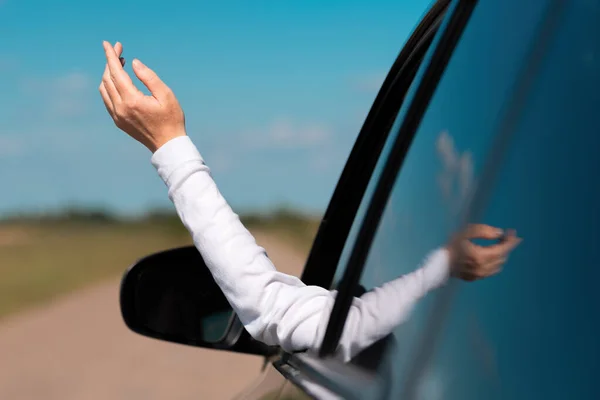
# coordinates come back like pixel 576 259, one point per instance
pixel 323 260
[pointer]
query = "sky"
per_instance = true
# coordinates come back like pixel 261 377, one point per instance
pixel 274 94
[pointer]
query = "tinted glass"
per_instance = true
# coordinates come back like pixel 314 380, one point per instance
pixel 533 331
pixel 445 158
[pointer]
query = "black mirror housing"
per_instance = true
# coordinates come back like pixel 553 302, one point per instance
pixel 172 296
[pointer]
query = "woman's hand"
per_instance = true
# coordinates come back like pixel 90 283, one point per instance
pixel 471 262
pixel 151 120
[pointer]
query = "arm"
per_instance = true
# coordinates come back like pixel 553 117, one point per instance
pixel 274 307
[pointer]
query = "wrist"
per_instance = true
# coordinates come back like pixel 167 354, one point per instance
pixel 170 159
pixel 450 251
pixel 159 142
pixel 437 268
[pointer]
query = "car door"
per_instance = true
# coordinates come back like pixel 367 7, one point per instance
pixel 532 331
pixel 429 180
pixel 485 142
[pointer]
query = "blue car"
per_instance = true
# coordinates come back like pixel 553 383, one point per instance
pixel 491 114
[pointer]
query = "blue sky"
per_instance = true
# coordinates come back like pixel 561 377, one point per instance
pixel 274 94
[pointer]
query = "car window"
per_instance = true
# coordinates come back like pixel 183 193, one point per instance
pixel 532 331
pixel 445 159
pixel 360 214
pixel 331 238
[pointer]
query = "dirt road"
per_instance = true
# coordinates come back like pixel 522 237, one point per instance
pixel 79 348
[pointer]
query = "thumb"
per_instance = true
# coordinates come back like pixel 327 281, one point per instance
pixel 149 79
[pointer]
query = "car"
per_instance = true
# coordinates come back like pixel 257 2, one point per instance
pixel 490 113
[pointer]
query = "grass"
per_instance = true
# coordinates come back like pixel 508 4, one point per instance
pixel 43 257
pixel 294 227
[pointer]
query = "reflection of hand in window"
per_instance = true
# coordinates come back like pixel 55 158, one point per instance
pixel 470 261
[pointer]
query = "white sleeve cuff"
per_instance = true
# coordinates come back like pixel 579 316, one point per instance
pixel 437 269
pixel 172 155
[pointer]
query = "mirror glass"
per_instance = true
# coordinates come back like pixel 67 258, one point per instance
pixel 172 296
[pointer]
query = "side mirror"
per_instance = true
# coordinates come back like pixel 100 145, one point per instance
pixel 172 296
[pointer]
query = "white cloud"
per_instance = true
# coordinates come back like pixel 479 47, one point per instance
pixel 283 133
pixel 64 95
pixel 73 82
pixel 369 83
pixel 69 89
pixel 220 161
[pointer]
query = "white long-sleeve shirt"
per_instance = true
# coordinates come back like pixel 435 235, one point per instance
pixel 276 308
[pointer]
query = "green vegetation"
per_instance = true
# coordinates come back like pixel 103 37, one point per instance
pixel 291 225
pixel 44 256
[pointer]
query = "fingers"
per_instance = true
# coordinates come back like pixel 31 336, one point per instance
pixel 476 262
pixel 483 255
pixel 109 93
pixel 106 99
pixel 109 87
pixel 151 80
pixel 118 49
pixel 481 231
pixel 501 249
pixel 492 267
pixel 121 80
pixel 480 271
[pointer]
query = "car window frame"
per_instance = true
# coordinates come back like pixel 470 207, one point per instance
pixel 290 364
pixel 330 240
pixel 448 37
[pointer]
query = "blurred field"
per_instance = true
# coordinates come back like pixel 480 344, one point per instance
pixel 77 346
pixel 43 257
